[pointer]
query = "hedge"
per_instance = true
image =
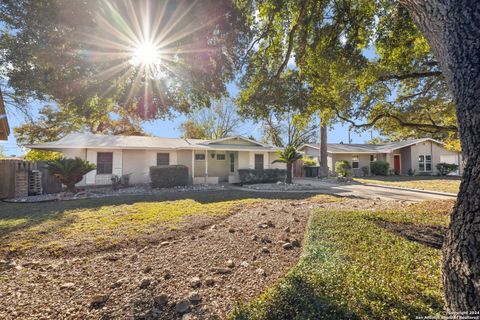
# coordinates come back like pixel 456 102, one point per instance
pixel 168 176
pixel 379 167
pixel 261 176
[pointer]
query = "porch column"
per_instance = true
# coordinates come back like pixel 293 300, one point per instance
pixel 193 166
pixel 206 166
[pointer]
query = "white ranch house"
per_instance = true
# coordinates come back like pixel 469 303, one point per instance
pixel 208 161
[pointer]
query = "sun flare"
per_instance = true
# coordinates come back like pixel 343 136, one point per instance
pixel 146 54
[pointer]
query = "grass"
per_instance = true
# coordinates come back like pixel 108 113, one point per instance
pixel 94 224
pixel 433 183
pixel 352 268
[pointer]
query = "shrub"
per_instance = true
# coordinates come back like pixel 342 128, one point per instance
pixel 411 172
pixel 309 162
pixel 365 170
pixel 446 168
pixel 70 171
pixel 379 167
pixel 168 176
pixel 261 176
pixel 343 168
pixel 120 181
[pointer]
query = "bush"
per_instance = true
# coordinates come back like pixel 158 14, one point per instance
pixel 168 176
pixel 261 176
pixel 365 170
pixel 379 167
pixel 446 168
pixel 343 168
pixel 309 162
pixel 411 172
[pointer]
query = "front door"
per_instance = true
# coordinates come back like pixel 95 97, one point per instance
pixel 396 163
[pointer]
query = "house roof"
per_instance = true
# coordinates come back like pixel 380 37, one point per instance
pixel 96 141
pixel 369 148
pixel 4 127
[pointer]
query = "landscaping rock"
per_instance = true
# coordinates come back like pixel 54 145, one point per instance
pixel 287 229
pixel 214 227
pixel 195 282
pixel 209 281
pixel 265 250
pixel 160 300
pixel 222 270
pixel 245 264
pixel 117 284
pixel 231 230
pixel 261 272
pixel 270 224
pixel 254 237
pixel 98 300
pixel 287 246
pixel 266 240
pixel 194 297
pixel 145 283
pixel 295 243
pixel 67 285
pixel 147 269
pixel 230 264
pixel 183 306
pixel 164 243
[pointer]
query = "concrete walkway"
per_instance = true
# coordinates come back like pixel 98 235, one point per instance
pixel 376 191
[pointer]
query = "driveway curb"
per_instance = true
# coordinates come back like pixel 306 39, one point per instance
pixel 448 194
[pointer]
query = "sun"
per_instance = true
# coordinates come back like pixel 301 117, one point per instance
pixel 146 54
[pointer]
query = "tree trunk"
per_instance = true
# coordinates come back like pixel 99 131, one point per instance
pixel 452 29
pixel 323 170
pixel 288 179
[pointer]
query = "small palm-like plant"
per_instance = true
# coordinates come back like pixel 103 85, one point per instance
pixel 288 156
pixel 70 171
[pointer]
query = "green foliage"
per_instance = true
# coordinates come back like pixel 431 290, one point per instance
pixel 446 168
pixel 70 171
pixel 343 168
pixel 309 161
pixel 379 167
pixel 352 268
pixel 366 170
pixel 288 155
pixel 168 176
pixel 42 155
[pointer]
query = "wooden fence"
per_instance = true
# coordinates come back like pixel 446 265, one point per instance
pixel 14 178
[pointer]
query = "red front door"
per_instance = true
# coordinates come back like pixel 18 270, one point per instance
pixel 396 163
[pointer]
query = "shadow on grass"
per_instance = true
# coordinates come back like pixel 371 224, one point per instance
pixel 430 236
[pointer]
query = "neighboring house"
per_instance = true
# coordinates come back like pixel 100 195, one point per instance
pixel 419 155
pixel 4 128
pixel 208 161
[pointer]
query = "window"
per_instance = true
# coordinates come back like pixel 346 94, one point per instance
pixel 199 156
pixel 259 162
pixel 221 156
pixel 355 162
pixel 163 159
pixel 425 163
pixel 232 162
pixel 104 162
pixel 373 158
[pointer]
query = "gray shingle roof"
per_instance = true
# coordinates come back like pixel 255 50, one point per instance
pixel 370 148
pixel 95 141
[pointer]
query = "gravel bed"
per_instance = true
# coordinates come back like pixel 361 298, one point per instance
pixel 280 186
pixel 202 273
pixel 103 192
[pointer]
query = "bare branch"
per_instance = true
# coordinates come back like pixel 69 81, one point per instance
pixel 413 75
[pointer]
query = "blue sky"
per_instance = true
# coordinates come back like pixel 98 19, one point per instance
pixel 170 129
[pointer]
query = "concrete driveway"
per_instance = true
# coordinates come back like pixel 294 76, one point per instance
pixel 375 192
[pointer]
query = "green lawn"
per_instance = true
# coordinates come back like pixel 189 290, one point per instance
pixel 353 267
pixel 442 184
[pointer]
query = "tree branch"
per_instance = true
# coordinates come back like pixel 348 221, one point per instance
pixel 413 75
pixel 400 121
pixel 291 35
